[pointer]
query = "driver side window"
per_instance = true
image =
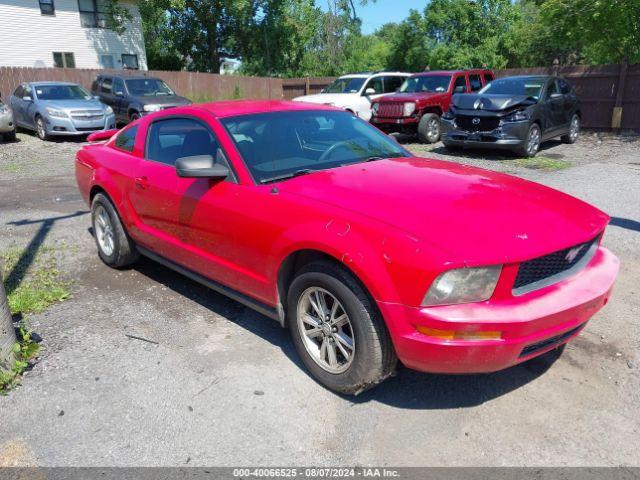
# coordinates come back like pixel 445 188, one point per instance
pixel 461 81
pixel 376 84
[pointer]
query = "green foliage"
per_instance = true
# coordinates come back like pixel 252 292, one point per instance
pixel 24 351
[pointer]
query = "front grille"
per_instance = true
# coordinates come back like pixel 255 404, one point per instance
pixel 543 271
pixel 86 115
pixel 390 109
pixel 477 124
pixel 538 346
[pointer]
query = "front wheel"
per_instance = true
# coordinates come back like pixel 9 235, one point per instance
pixel 115 247
pixel 337 330
pixel 41 129
pixel 574 131
pixel 429 128
pixel 531 143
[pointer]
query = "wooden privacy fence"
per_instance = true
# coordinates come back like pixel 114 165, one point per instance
pixel 610 94
pixel 199 87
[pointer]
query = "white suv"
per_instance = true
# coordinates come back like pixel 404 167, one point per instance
pixel 355 91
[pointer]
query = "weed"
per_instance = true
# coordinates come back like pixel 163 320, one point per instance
pixel 540 163
pixel 24 351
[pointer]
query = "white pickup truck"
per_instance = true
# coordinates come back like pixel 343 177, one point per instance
pixel 355 91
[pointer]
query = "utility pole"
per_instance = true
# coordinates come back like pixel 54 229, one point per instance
pixel 7 333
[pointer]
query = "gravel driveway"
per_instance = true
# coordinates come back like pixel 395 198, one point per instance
pixel 209 382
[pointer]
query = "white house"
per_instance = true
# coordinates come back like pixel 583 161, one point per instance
pixel 68 33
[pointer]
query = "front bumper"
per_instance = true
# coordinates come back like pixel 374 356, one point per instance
pixel 407 125
pixel 74 127
pixel 507 136
pixel 531 324
pixel 6 123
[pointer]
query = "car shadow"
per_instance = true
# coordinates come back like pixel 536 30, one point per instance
pixel 408 389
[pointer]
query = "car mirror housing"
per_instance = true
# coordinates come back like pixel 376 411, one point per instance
pixel 200 166
pixel 102 135
pixel 555 96
pixel 370 91
pixel 27 98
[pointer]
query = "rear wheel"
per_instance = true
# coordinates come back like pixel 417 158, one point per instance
pixel 531 144
pixel 337 330
pixel 115 247
pixel 429 128
pixel 574 131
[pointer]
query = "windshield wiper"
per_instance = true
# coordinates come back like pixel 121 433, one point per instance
pixel 297 173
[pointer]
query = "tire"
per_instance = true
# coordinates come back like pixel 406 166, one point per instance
pixel 372 357
pixel 10 137
pixel 41 129
pixel 115 247
pixel 429 128
pixel 531 146
pixel 574 130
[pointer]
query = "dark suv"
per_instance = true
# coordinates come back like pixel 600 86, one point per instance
pixel 131 97
pixel 514 113
pixel 422 99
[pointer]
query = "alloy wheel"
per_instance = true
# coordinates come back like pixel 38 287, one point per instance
pixel 575 128
pixel 42 133
pixel 433 129
pixel 104 231
pixel 325 329
pixel 533 142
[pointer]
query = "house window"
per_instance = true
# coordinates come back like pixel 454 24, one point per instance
pixel 93 13
pixel 129 61
pixel 47 7
pixel 64 60
pixel 106 61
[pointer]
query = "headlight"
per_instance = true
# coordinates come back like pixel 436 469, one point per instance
pixel 374 108
pixel 463 285
pixel 519 116
pixel 54 112
pixel 108 110
pixel 409 108
pixel 152 107
pixel 448 115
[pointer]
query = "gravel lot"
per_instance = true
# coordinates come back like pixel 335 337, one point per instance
pixel 221 385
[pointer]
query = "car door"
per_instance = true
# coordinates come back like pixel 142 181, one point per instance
pixel 29 107
pixel 118 106
pixel 372 89
pixel 17 105
pixel 554 105
pixel 187 220
pixel 570 102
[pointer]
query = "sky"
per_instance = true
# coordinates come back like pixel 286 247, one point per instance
pixel 376 14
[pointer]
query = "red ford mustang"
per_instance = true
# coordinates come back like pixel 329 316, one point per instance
pixel 365 252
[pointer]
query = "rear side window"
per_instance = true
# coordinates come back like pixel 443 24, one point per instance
pixel 391 84
pixel 126 139
pixel 376 84
pixel 487 78
pixel 475 82
pixel 175 138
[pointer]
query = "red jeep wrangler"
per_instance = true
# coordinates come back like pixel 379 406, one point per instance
pixel 421 99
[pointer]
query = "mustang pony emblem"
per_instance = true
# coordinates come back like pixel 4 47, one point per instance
pixel 573 253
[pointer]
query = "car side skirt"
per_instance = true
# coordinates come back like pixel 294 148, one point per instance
pixel 233 294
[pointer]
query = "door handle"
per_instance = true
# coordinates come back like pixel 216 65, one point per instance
pixel 141 182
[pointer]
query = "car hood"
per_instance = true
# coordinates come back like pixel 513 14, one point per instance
pixel 476 216
pixel 327 98
pixel 163 100
pixel 492 103
pixel 73 104
pixel 410 97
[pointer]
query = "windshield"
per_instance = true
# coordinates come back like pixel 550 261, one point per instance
pixel 426 83
pixel 62 92
pixel 280 144
pixel 531 87
pixel 148 87
pixel 345 85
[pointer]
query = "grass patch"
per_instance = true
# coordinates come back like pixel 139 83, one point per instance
pixel 541 163
pixel 32 280
pixel 24 351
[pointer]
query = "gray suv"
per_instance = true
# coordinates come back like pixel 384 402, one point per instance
pixel 131 97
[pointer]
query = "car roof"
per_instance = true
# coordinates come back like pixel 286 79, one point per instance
pixel 541 76
pixel 371 74
pixel 125 76
pixel 451 72
pixel 229 108
pixel 43 83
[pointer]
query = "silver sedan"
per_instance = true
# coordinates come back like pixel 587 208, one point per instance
pixel 59 109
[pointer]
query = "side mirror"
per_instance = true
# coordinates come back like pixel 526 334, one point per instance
pixel 119 93
pixel 460 89
pixel 370 91
pixel 101 135
pixel 27 98
pixel 555 96
pixel 200 166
